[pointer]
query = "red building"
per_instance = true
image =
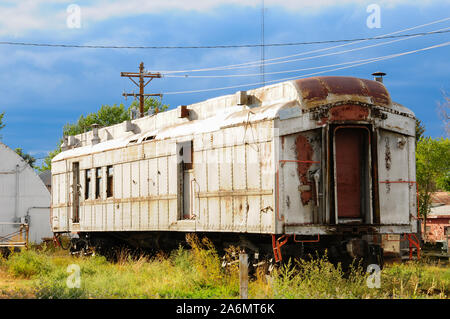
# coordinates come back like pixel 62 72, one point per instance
pixel 438 221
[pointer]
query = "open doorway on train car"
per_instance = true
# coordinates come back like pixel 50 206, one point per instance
pixel 185 176
pixel 76 192
pixel 352 174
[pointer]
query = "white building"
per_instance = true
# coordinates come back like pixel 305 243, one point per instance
pixel 23 198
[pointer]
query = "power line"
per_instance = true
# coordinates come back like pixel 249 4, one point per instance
pixel 302 53
pixel 299 59
pixel 315 73
pixel 281 72
pixel 214 46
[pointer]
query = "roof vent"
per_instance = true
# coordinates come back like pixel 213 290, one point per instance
pixel 95 138
pixel 72 141
pixel 65 144
pixel 378 76
pixel 183 111
pixel 241 97
pixel 128 126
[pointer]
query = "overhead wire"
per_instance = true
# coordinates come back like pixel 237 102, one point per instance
pixel 84 46
pixel 315 73
pixel 318 56
pixel 257 62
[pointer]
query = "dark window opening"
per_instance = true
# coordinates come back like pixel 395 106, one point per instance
pixel 188 156
pixel 109 181
pixel 98 182
pixel 87 188
pixel 149 138
pixel 76 189
pixel 185 157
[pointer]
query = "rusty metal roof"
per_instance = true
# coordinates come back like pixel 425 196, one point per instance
pixel 325 89
pixel 283 100
pixel 441 198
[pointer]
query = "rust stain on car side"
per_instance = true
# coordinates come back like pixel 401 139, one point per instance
pixel 304 152
pixel 349 113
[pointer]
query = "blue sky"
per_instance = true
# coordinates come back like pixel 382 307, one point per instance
pixel 44 88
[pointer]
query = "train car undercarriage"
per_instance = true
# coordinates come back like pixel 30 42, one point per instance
pixel 269 249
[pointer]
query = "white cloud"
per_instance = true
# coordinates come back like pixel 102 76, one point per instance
pixel 20 17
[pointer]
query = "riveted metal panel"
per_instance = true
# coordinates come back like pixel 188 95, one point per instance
pixel 88 216
pixel 126 180
pixel 118 218
pixel 253 166
pixel 118 181
pixel 226 182
pixel 135 179
pixel 253 214
pixel 62 190
pixel 172 174
pixel 126 216
pixel 267 165
pixel 99 219
pixel 173 212
pixel 162 172
pixel 144 178
pixel 239 168
pixel 143 215
pixel 163 214
pixel 214 214
pixel 153 177
pixel 393 162
pixel 135 215
pixel 240 213
pixel 109 212
pixel 226 210
pixel 213 170
pixel 267 214
pixel 298 195
pixel 154 214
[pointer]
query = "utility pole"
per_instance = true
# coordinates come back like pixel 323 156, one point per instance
pixel 142 84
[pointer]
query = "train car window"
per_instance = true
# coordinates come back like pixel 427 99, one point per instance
pixel 188 159
pixel 98 182
pixel 87 189
pixel 76 194
pixel 149 138
pixel 109 181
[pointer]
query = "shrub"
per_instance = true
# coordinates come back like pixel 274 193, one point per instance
pixel 28 263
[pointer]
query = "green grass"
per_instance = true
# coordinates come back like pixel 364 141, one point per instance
pixel 197 273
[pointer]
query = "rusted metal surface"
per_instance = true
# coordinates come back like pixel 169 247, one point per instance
pixel 325 89
pixel 349 113
pixel 304 155
pixel 377 92
pixel 349 148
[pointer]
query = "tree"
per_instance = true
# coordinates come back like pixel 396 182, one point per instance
pixel 444 113
pixel 107 115
pixel 1 121
pixel 27 157
pixel 420 129
pixel 432 167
